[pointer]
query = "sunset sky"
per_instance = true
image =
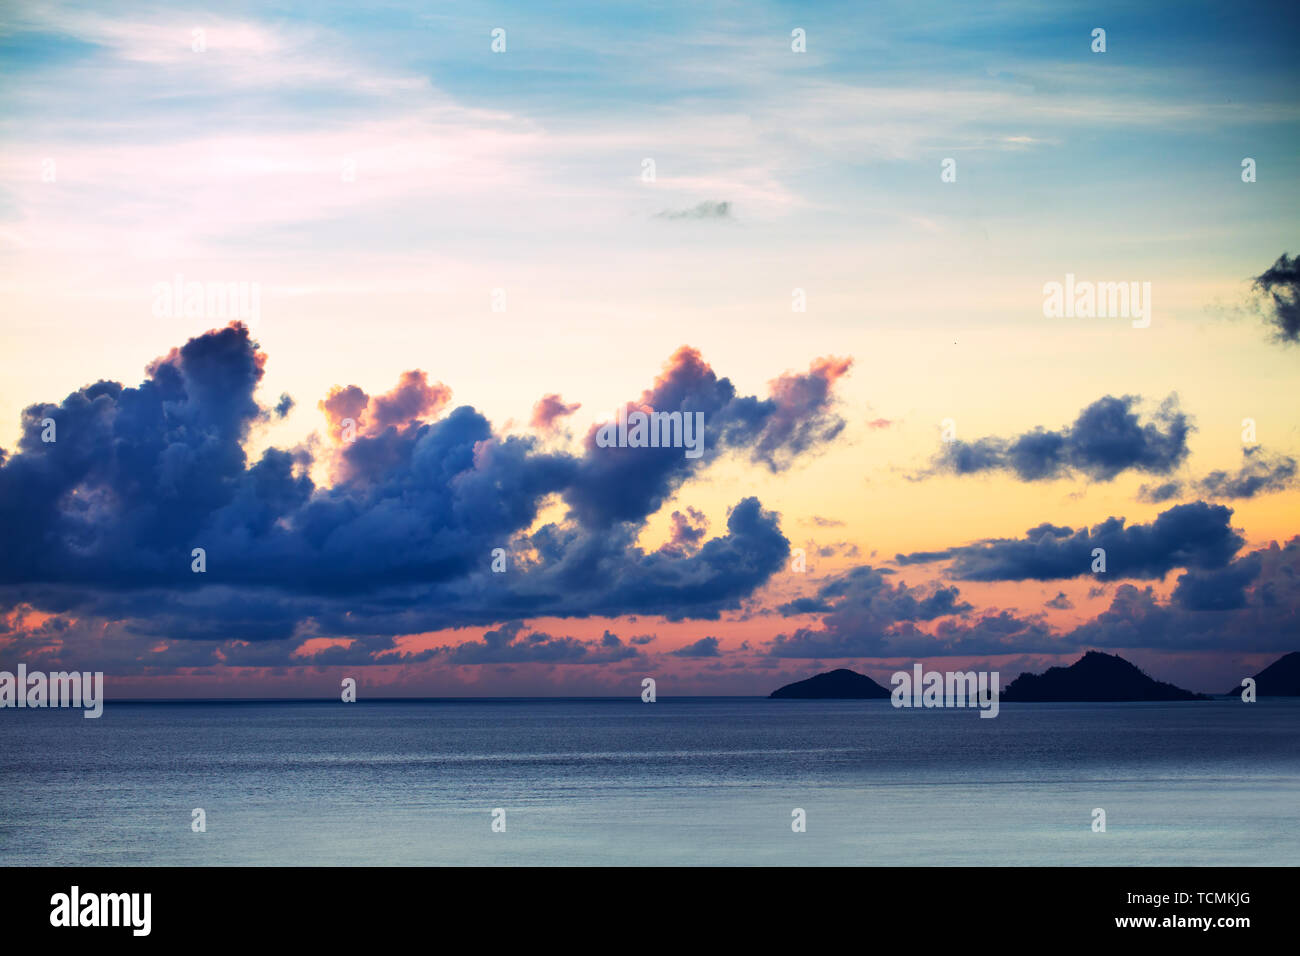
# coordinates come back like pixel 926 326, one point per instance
pixel 481 256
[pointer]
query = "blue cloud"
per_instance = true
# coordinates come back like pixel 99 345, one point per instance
pixel 1196 536
pixel 1107 438
pixel 104 519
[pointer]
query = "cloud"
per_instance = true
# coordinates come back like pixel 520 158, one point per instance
pixel 1223 589
pixel 823 522
pixel 799 419
pixel 704 647
pixel 864 613
pixel 1107 438
pixel 1159 494
pixel 869 590
pixel 1060 602
pixel 341 404
pixel 549 410
pixel 624 484
pixel 1259 473
pixel 709 209
pixel 846 548
pixel 1249 605
pixel 103 522
pixel 1281 283
pixel 993 632
pixel 411 401
pixel 687 534
pixel 510 645
pixel 1194 536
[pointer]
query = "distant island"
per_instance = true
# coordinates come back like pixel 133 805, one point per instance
pixel 1094 678
pixel 1279 679
pixel 841 684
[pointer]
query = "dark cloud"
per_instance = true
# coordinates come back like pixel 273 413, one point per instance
pixel 1259 473
pixel 1194 536
pixel 844 548
pixel 866 614
pixel 1160 493
pixel 510 644
pixel 1107 438
pixel 1060 602
pixel 868 590
pixel 1223 589
pixel 993 632
pixel 1281 283
pixel 704 647
pixel 136 471
pixel 1249 605
pixel 102 522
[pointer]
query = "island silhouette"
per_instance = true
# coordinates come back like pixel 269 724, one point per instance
pixel 1279 679
pixel 1095 678
pixel 840 684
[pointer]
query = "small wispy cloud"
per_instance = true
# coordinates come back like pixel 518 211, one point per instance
pixel 709 209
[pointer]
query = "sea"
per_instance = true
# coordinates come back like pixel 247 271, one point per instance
pixel 685 781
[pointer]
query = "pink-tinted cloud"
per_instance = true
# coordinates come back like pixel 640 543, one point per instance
pixel 549 410
pixel 343 403
pixel 687 534
pixel 411 400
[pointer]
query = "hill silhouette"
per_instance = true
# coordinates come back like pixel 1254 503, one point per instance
pixel 1279 679
pixel 1095 677
pixel 841 684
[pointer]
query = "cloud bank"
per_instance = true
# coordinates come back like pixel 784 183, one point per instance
pixel 103 521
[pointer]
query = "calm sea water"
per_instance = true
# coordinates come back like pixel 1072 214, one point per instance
pixel 697 781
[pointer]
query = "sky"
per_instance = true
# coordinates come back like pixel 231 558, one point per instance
pixel 478 232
